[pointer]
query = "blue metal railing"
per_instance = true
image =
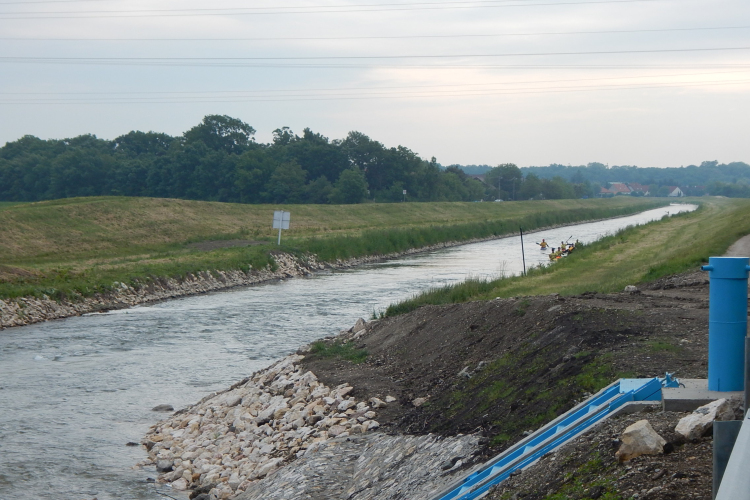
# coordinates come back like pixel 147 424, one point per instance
pixel 556 433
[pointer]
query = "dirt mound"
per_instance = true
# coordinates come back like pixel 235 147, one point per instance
pixel 509 365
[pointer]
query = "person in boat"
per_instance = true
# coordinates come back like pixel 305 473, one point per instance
pixel 543 244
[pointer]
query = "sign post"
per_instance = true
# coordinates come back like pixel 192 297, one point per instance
pixel 281 221
pixel 523 254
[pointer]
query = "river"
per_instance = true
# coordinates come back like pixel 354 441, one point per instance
pixel 73 392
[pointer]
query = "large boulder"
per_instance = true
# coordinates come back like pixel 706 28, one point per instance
pixel 702 419
pixel 639 439
pixel 360 325
pixel 164 465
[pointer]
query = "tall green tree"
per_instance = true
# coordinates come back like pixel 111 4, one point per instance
pixel 351 187
pixel 221 132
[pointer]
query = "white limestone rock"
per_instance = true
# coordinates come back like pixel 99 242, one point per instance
pixel 377 403
pixel 702 419
pixel 359 326
pixel 639 439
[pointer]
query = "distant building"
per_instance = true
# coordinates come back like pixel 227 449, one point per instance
pixel 639 188
pixel 619 188
pixel 674 191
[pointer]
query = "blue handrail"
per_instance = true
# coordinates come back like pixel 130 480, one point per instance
pixel 555 434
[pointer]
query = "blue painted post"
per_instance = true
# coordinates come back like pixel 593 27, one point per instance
pixel 727 322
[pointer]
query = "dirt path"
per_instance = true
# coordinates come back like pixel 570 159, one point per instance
pixel 740 248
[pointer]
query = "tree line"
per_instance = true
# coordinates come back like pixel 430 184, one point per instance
pixel 710 177
pixel 219 160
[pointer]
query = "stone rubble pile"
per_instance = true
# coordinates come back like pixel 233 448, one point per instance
pixel 28 310
pixel 229 441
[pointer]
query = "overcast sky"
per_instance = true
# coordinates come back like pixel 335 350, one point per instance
pixel 653 83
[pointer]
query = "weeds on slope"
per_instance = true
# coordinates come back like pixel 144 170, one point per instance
pixel 632 255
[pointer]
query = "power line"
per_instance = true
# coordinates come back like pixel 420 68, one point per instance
pixel 402 95
pixel 162 60
pixel 308 7
pixel 395 37
pixel 441 66
pixel 344 89
pixel 53 1
pixel 278 11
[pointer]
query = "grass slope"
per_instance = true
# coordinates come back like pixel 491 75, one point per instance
pixel 633 255
pixel 82 245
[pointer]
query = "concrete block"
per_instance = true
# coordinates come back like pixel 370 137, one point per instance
pixel 695 394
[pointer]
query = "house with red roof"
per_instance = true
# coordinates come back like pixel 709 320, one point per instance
pixel 636 187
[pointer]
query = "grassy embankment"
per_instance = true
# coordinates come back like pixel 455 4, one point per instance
pixel 76 247
pixel 633 255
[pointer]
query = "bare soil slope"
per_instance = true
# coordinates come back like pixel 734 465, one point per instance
pixel 509 365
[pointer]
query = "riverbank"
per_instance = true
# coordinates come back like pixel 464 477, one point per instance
pixel 68 250
pixel 448 386
pixel 30 309
pixel 283 425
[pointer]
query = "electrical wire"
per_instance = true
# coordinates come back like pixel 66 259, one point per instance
pixel 201 60
pixel 373 95
pixel 370 96
pixel 395 37
pixel 326 10
pixel 340 89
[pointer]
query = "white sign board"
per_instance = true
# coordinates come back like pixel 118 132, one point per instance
pixel 281 219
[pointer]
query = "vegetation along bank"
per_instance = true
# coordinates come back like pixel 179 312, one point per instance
pixel 72 256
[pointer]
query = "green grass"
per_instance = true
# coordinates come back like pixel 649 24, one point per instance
pixel 321 349
pixel 6 204
pixel 660 346
pixel 589 474
pixel 79 246
pixel 633 255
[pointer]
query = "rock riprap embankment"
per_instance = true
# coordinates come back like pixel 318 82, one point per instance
pixel 367 467
pixel 28 310
pixel 230 440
